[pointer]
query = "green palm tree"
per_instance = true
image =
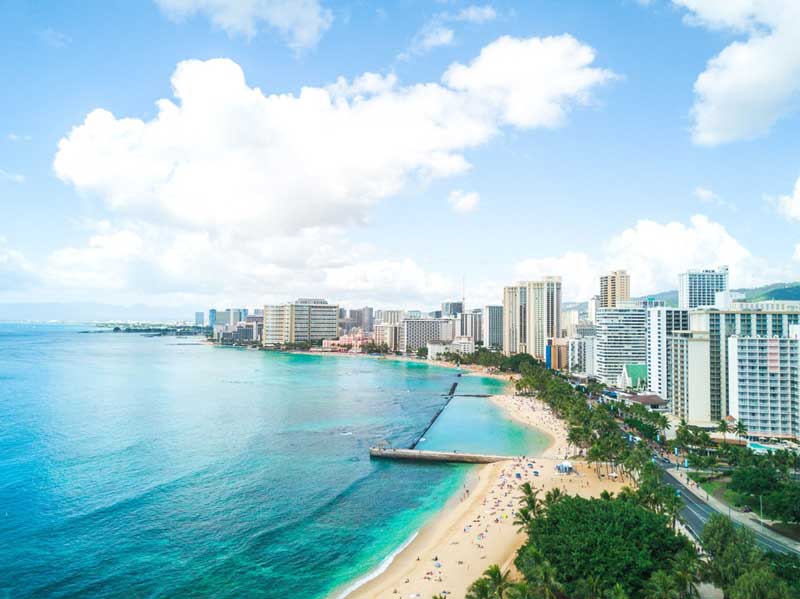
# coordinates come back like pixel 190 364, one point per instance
pixel 479 589
pixel 616 592
pixel 724 428
pixel 523 519
pixel 686 572
pixel 499 582
pixel 545 581
pixel 740 429
pixel 522 590
pixel 553 496
pixel 661 586
pixel 593 586
pixel 530 499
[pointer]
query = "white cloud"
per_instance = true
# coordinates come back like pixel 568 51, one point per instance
pixel 142 262
pixel 389 281
pixel 654 254
pixel 302 22
pixel 789 205
pixel 751 84
pixel 432 35
pixel 530 82
pixel 228 155
pixel 231 190
pixel 17 137
pixel 11 177
pixel 462 201
pixel 476 14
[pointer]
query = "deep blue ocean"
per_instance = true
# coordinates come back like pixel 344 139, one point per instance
pixel 133 466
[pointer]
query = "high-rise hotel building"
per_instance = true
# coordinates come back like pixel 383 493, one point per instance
pixel 661 323
pixel 701 367
pixel 492 323
pixel 615 288
pixel 307 319
pixel 764 391
pixel 698 288
pixel 621 339
pixel 531 316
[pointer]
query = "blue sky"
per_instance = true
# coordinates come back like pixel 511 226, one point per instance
pixel 589 135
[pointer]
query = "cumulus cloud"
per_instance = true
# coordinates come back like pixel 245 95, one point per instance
pixel 146 261
pixel 753 82
pixel 654 254
pixel 789 205
pixel 228 155
pixel 301 22
pixel 232 189
pixel 463 201
pixel 530 82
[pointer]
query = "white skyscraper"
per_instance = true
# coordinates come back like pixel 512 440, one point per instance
pixel 764 385
pixel 593 305
pixel 493 327
pixel 698 288
pixel 304 320
pixel 417 332
pixel 700 378
pixel 470 324
pixel 580 355
pixel 531 316
pixel 621 339
pixel 661 322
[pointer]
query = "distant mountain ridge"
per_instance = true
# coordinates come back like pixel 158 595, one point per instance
pixel 774 291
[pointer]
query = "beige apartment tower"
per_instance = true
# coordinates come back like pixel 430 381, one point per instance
pixel 615 288
pixel 531 316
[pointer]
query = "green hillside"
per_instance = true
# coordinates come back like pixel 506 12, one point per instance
pixel 775 291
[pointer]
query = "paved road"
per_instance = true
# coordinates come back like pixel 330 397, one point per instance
pixel 697 512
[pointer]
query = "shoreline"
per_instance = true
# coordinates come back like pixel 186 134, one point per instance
pixel 466 369
pixel 474 530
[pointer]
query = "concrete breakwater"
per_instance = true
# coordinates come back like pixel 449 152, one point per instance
pixel 418 455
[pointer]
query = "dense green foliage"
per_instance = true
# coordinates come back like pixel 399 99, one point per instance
pixel 736 565
pixel 610 541
pixel 375 348
pixel 756 478
pixel 491 359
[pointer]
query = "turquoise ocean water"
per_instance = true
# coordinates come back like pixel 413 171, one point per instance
pixel 162 467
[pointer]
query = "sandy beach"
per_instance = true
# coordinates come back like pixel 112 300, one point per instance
pixel 476 528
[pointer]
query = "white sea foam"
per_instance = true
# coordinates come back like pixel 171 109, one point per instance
pixel 380 569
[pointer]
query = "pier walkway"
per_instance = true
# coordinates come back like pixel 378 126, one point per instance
pixel 389 453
